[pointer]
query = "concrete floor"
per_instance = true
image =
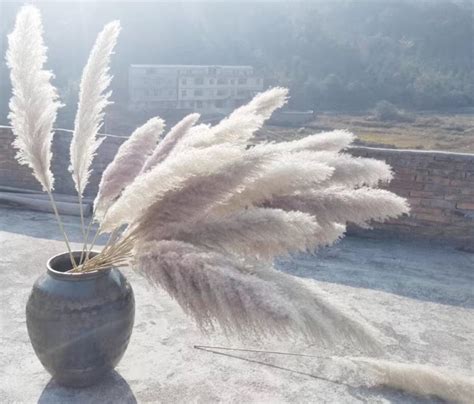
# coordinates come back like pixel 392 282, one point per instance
pixel 418 295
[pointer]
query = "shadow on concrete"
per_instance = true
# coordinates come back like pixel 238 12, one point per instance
pixel 416 269
pixel 43 225
pixel 419 270
pixel 113 389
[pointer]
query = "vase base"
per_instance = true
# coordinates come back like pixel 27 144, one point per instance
pixel 81 378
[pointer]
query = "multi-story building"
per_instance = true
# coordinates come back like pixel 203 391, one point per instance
pixel 192 87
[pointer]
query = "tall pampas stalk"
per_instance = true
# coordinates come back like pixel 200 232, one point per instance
pixel 33 108
pixel 35 102
pixel 93 98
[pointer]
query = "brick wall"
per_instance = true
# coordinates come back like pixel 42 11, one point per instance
pixel 438 185
pixel 14 175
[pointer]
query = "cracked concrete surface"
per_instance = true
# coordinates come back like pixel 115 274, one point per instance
pixel 420 296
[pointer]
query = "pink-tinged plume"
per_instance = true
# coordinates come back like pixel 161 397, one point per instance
pixel 127 164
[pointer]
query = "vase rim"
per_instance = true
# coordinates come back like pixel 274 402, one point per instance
pixel 60 258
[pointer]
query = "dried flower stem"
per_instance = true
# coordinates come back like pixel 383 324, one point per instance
pixel 113 255
pixel 83 227
pixel 61 227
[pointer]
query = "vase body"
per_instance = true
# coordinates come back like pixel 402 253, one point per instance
pixel 79 324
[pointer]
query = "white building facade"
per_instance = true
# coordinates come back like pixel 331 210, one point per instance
pixel 192 87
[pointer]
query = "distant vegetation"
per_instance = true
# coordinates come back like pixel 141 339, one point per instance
pixel 386 111
pixel 340 56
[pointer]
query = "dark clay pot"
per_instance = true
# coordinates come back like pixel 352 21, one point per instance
pixel 79 324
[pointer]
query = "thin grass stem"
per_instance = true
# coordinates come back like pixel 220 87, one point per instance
pixel 61 227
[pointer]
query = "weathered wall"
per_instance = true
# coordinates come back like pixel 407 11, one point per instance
pixel 438 185
pixel 14 175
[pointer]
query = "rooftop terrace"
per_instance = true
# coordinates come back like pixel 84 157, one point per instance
pixel 419 296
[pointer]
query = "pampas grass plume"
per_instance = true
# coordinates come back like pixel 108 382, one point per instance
pixel 33 108
pixel 127 164
pixel 93 99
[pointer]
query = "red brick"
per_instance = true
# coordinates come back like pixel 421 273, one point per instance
pixel 462 183
pixel 404 177
pixel 437 203
pixel 435 180
pixel 422 194
pixel 432 218
pixel 465 205
pixel 430 211
pixel 414 201
pixel 406 185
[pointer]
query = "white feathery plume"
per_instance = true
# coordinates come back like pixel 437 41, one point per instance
pixel 257 232
pixel 93 99
pixel 422 380
pixel 237 130
pixel 127 164
pixel 34 104
pixel 164 148
pixel 285 174
pixel 180 208
pixel 150 187
pixel 339 204
pixel 242 298
pixel 347 170
pixel 264 104
pixel 352 171
pixel 240 126
pixel 335 140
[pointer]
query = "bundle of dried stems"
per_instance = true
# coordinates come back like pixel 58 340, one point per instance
pixel 202 213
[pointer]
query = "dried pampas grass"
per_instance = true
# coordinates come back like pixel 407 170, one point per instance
pixel 165 147
pixel 256 233
pixel 93 99
pixel 127 164
pixel 152 186
pixel 34 104
pixel 205 212
pixel 244 299
pixel 421 380
pixel 341 205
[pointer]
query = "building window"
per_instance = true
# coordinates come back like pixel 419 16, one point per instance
pixel 232 81
pixel 183 81
pixel 211 81
pixel 221 92
pixel 242 93
pixel 183 93
pixel 220 104
pixel 149 71
pixel 242 80
pixel 199 81
pixel 198 93
pixel 221 81
pixel 198 104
